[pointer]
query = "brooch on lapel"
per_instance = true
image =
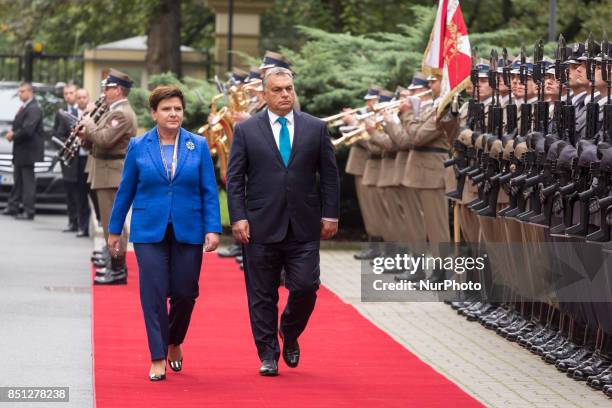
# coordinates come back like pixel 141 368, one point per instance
pixel 190 145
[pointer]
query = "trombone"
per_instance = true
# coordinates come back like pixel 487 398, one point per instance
pixel 351 137
pixel 336 120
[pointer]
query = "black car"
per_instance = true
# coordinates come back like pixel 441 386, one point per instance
pixel 48 173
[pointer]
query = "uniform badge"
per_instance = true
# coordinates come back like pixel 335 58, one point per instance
pixel 190 145
pixel 114 123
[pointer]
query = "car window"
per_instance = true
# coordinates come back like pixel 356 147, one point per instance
pixel 9 104
pixel 49 98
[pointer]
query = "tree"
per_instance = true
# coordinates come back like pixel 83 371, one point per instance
pixel 164 38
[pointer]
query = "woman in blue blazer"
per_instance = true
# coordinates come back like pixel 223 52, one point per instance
pixel 169 180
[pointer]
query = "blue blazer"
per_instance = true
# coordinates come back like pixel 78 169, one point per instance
pixel 191 198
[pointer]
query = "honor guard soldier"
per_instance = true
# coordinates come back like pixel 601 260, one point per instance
pixel 396 127
pixel 355 165
pixel 109 139
pixel 425 176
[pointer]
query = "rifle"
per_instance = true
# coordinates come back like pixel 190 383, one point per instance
pixel 587 186
pixel 569 111
pixel 606 75
pixel 567 171
pixel 535 139
pixel 491 185
pixel 464 156
pixel 511 110
pixel 592 110
pixel 604 153
pixel 525 107
pixel 539 71
pixel 560 76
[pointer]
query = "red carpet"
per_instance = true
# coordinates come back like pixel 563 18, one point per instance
pixel 346 360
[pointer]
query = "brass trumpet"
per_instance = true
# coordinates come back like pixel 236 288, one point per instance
pixel 336 120
pixel 351 137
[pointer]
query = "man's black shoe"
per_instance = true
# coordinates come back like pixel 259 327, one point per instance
pixel 291 352
pixel 112 277
pixel 231 251
pixel 269 368
pixel 24 216
pixel 82 234
pixel 8 211
pixel 368 253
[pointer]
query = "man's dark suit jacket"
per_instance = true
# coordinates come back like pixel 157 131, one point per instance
pixel 268 194
pixel 28 136
pixel 61 129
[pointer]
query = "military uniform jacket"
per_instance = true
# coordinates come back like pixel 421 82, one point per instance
pixel 386 177
pixel 355 164
pixel 425 169
pixel 110 139
pixel 372 164
pixel 397 133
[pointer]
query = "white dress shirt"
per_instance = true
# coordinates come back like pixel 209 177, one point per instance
pixel 276 126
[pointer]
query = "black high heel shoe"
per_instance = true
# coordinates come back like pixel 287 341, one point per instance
pixel 176 366
pixel 155 377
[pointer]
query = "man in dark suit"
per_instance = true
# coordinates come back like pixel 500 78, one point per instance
pixel 283 196
pixel 28 144
pixel 64 120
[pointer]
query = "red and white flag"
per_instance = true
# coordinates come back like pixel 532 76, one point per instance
pixel 448 53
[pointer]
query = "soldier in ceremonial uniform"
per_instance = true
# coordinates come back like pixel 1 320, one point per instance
pixel 424 175
pixel 355 165
pixel 387 182
pixel 109 139
pixel 470 226
pixel 396 130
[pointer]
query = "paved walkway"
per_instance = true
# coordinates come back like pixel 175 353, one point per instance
pixel 45 309
pixel 490 368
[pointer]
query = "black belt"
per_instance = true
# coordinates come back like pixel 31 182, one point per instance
pixel 374 156
pixel 389 155
pixel 102 156
pixel 429 149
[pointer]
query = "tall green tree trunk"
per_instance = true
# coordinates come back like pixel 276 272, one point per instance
pixel 164 38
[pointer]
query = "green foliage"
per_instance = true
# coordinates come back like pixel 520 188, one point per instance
pixel 197 93
pixel 70 26
pixel 334 69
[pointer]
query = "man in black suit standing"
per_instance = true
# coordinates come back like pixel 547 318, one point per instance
pixel 64 120
pixel 28 144
pixel 283 196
